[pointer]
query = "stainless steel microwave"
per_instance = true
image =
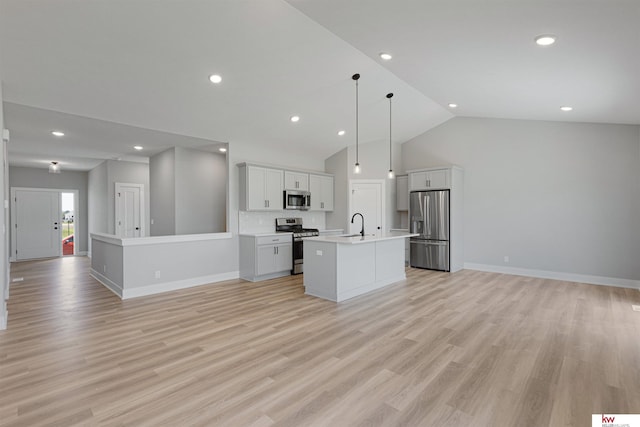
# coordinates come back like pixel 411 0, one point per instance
pixel 295 199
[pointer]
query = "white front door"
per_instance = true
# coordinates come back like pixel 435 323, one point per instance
pixel 367 198
pixel 129 210
pixel 37 224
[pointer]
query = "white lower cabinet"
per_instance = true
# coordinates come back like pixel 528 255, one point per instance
pixel 265 256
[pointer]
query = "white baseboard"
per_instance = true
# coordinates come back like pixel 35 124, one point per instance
pixel 106 282
pixel 81 253
pixel 4 319
pixel 544 274
pixel 12 259
pixel 179 284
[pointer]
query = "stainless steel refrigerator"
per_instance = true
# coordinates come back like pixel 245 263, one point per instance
pixel 429 217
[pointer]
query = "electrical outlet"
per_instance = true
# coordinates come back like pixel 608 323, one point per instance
pixel 506 258
pixel 319 253
pixel 635 307
pixel 104 268
pixel 157 274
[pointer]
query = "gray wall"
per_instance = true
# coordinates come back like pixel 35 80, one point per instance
pixel 97 199
pixel 201 191
pixel 188 192
pixel 163 193
pixel 4 219
pixel 374 161
pixel 66 180
pixel 553 196
pixel 338 166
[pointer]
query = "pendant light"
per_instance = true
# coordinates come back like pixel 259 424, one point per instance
pixel 356 169
pixel 389 96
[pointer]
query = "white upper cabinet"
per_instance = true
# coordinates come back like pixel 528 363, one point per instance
pixel 321 188
pixel 402 193
pixel 261 188
pixel 430 179
pixel 296 181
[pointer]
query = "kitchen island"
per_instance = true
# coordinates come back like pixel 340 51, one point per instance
pixel 341 267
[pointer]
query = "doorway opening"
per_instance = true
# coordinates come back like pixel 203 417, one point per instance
pixel 67 203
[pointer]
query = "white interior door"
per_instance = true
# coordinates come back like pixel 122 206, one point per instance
pixel 37 224
pixel 367 198
pixel 129 210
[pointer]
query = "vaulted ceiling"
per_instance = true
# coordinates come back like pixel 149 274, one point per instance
pixel 96 69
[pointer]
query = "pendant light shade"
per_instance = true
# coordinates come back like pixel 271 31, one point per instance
pixel 390 175
pixel 356 169
pixel 54 168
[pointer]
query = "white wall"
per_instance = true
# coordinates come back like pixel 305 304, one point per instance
pixel 66 180
pixel 163 193
pixel 200 191
pixel 553 196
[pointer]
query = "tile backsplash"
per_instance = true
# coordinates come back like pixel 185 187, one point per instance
pixel 265 222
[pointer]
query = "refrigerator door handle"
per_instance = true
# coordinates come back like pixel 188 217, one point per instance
pixel 429 242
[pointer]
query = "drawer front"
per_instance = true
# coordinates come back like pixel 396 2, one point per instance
pixel 270 240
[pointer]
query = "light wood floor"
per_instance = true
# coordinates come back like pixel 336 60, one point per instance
pixel 463 349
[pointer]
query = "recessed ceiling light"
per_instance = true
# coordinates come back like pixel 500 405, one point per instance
pixel 57 133
pixel 138 147
pixel 386 56
pixel 295 119
pixel 222 150
pixel 341 132
pixel 565 108
pixel 452 105
pixel 215 78
pixel 545 39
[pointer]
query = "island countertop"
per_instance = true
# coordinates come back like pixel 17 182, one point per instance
pixel 358 239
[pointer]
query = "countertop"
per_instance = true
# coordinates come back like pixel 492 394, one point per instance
pixel 346 240
pixel 279 233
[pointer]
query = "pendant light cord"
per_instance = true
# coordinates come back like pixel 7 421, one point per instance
pixel 389 96
pixel 390 151
pixel 357 118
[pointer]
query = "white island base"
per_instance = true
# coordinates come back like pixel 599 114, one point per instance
pixel 338 268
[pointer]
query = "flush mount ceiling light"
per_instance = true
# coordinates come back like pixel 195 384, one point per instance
pixel 566 108
pixel 54 168
pixel 452 105
pixel 341 133
pixel 385 56
pixel 389 96
pixel 356 168
pixel 138 147
pixel 215 78
pixel 295 119
pixel 222 150
pixel 545 39
pixel 57 133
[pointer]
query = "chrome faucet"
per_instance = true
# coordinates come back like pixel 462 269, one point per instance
pixel 354 215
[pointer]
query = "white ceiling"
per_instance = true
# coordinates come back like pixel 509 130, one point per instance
pixel 145 64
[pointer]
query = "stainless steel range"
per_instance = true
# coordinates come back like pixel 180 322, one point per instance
pixel 294 225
